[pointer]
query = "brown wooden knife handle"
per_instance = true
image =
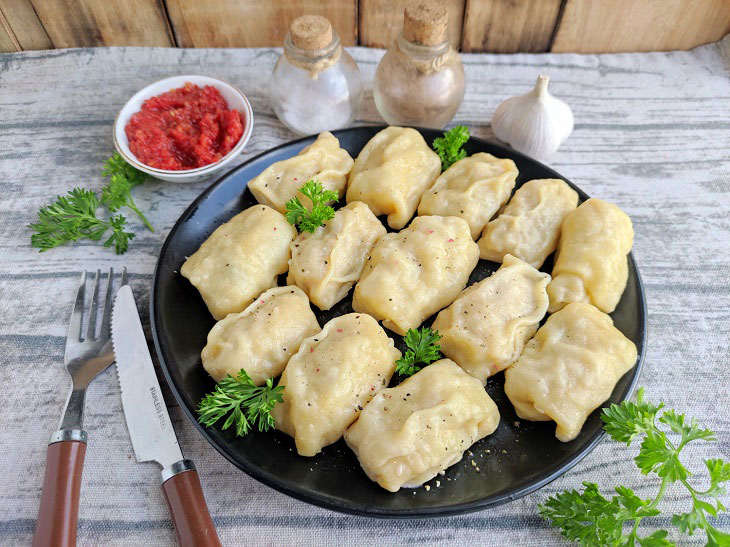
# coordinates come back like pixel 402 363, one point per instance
pixel 190 515
pixel 59 511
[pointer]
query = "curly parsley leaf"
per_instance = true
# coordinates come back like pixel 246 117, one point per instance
pixel 592 520
pixel 116 165
pixel 118 238
pixel 583 516
pixel 246 404
pixel 656 455
pixel 689 432
pixel 719 474
pixel 118 191
pixel 308 221
pixel 422 349
pixel 625 421
pixel 449 146
pixel 73 217
pixel 657 539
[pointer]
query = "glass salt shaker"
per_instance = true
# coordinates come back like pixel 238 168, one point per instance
pixel 420 80
pixel 316 86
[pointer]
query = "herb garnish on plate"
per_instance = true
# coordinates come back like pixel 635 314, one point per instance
pixel 308 221
pixel 449 147
pixel 422 349
pixel 249 405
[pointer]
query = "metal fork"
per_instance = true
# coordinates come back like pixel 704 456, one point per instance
pixel 85 357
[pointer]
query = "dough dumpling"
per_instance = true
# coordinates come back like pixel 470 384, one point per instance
pixel 327 263
pixel 240 260
pixel 409 433
pixel 529 227
pixel 261 338
pixel 474 188
pixel 591 264
pixel 487 326
pixel 323 160
pixel 569 368
pixel 332 376
pixel 412 274
pixel 391 173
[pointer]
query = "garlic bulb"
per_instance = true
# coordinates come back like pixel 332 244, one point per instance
pixel 536 123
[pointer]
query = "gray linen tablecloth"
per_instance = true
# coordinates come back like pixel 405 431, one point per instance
pixel 652 134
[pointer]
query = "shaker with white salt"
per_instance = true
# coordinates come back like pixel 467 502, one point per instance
pixel 420 80
pixel 316 86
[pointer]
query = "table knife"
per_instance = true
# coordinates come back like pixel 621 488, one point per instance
pixel 150 429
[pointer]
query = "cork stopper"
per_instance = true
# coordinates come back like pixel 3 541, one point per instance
pixel 425 23
pixel 311 32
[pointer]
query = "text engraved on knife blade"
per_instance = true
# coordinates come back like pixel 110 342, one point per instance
pixel 158 407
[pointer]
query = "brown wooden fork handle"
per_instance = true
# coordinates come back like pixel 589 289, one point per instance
pixel 190 515
pixel 59 510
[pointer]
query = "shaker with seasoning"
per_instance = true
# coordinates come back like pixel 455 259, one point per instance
pixel 316 86
pixel 420 80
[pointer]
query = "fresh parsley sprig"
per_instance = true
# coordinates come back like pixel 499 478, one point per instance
pixel 118 191
pixel 73 217
pixel 593 520
pixel 422 349
pixel 308 221
pixel 249 406
pixel 449 147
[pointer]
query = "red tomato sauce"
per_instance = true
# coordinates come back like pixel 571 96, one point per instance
pixel 184 128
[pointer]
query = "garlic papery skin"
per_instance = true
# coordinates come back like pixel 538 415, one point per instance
pixel 536 123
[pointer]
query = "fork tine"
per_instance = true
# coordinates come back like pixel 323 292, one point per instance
pixel 91 329
pixel 106 314
pixel 74 326
pixel 124 276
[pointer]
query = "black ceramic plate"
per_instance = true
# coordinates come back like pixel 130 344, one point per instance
pixel 517 459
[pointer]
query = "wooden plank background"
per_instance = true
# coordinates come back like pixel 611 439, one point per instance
pixel 504 26
pixel 236 23
pixel 381 20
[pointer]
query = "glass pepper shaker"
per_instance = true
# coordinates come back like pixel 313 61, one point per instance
pixel 316 86
pixel 420 80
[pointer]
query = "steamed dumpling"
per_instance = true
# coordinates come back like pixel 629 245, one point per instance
pixel 328 263
pixel 529 227
pixel 332 376
pixel 487 326
pixel 240 259
pixel 591 264
pixel 569 368
pixel 391 173
pixel 409 433
pixel 261 338
pixel 323 160
pixel 474 188
pixel 412 274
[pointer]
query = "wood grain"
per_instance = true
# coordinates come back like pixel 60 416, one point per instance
pixel 21 28
pixel 232 23
pixel 506 26
pixel 640 25
pixel 8 41
pixel 381 20
pixel 80 23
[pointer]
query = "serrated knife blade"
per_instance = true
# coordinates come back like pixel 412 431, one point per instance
pixel 151 430
pixel 144 408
